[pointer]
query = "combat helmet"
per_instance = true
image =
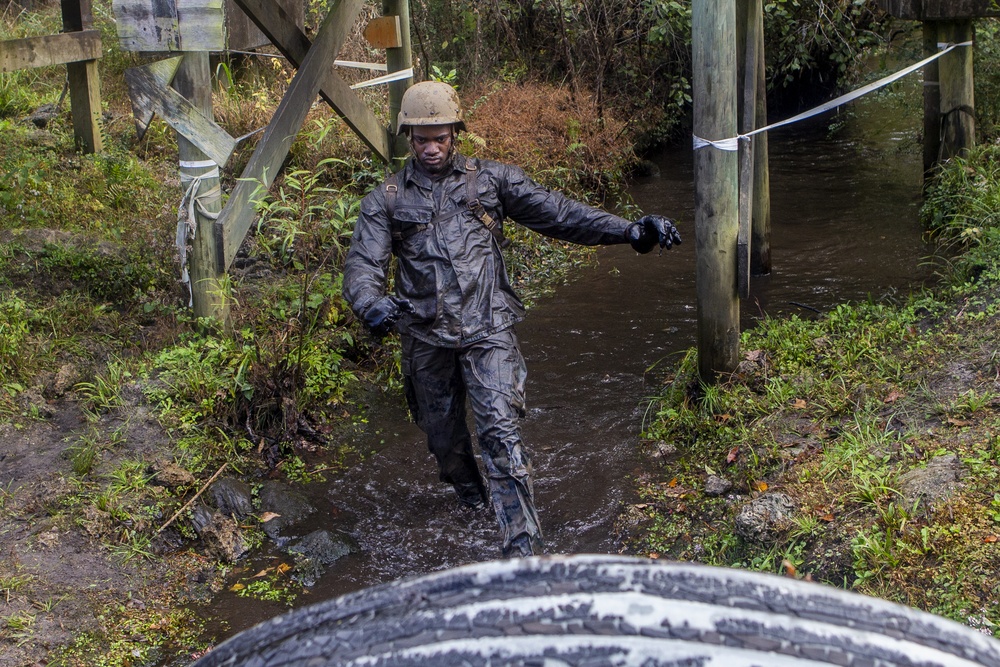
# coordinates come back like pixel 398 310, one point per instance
pixel 429 103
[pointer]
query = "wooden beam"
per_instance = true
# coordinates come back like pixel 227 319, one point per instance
pixel 932 100
pixel 398 59
pixel 47 50
pixel 760 232
pixel 193 82
pixel 958 107
pixel 179 113
pixel 281 29
pixel 238 214
pixel 716 174
pixel 84 80
pixel 163 72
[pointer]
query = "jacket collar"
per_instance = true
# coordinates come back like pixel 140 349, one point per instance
pixel 413 174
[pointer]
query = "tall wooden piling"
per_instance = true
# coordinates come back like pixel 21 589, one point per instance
pixel 713 27
pixel 84 81
pixel 193 81
pixel 932 99
pixel 760 229
pixel 958 115
pixel 398 59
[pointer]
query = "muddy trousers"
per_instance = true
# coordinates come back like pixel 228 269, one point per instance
pixel 490 375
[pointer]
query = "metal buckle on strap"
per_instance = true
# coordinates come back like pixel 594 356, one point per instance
pixel 390 187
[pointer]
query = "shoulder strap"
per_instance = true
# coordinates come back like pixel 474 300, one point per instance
pixel 472 201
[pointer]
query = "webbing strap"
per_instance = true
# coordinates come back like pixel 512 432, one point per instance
pixel 391 186
pixel 472 201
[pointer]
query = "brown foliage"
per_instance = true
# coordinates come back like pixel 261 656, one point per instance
pixel 540 128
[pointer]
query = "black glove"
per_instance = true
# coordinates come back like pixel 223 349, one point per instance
pixel 382 315
pixel 650 230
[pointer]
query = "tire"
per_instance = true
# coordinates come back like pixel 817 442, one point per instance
pixel 604 610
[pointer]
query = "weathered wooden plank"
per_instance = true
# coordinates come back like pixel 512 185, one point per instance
pixel 237 216
pixel 179 114
pixel 746 45
pixel 68 47
pixel 932 10
pixel 193 83
pixel 384 33
pixel 716 175
pixel 163 72
pixel 396 60
pixel 279 27
pixel 84 80
pixel 958 107
pixel 170 25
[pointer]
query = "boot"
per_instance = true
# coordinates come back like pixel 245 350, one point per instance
pixel 471 494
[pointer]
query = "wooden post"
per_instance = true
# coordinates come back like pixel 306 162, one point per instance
pixel 932 100
pixel 193 81
pixel 84 82
pixel 398 59
pixel 958 116
pixel 760 232
pixel 713 28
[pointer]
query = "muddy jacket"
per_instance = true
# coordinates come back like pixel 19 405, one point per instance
pixel 449 266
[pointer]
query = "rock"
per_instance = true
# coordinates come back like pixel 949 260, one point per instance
pixel 231 497
pixel 324 546
pixel 317 550
pixel 764 518
pixel 42 115
pixel 172 475
pixel 716 486
pixel 939 480
pixel 67 376
pixel 223 538
pixel 290 505
pixel 664 450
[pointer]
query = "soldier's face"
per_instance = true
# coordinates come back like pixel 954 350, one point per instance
pixel 431 145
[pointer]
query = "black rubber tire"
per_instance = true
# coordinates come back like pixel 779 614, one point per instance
pixel 604 610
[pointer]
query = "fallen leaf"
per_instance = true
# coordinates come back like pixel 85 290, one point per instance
pixel 262 573
pixel 958 422
pixel 672 483
pixel 723 418
pixel 790 570
pixel 237 587
pixel 799 404
pixel 990 539
pixel 284 567
pixel 640 506
pixel 267 516
pixel 893 396
pixel 654 556
pixel 733 454
pixel 827 517
pixel 760 486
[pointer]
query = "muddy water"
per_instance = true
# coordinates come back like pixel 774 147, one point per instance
pixel 844 228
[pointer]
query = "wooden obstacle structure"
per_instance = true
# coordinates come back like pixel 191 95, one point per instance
pixel 79 48
pixel 193 28
pixel 949 106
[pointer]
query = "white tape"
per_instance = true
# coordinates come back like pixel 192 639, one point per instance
pixel 388 78
pixel 197 164
pixel 208 174
pixel 730 143
pixel 378 67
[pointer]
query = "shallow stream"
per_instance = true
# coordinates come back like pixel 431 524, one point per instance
pixel 844 227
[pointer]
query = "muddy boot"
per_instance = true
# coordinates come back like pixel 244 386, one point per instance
pixel 471 494
pixel 523 546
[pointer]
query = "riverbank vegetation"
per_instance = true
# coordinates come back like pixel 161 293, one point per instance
pixel 860 448
pixel 117 409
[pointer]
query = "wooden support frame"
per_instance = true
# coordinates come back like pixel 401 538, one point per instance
pixel 78 47
pixel 716 176
pixel 314 75
pixel 283 32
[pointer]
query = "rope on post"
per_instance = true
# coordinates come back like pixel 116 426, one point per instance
pixel 732 143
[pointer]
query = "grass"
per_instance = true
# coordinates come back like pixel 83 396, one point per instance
pixel 833 412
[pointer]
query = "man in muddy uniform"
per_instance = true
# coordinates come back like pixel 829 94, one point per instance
pixel 442 216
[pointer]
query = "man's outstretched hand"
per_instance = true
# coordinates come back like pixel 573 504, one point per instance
pixel 382 315
pixel 652 230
